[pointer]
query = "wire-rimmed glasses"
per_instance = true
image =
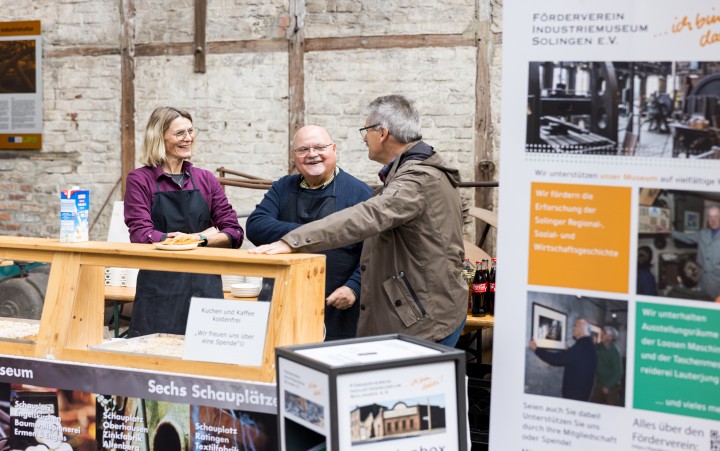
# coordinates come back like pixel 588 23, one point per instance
pixel 303 151
pixel 180 135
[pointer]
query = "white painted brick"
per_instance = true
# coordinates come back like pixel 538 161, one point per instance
pixel 443 104
pixel 327 18
pixel 241 103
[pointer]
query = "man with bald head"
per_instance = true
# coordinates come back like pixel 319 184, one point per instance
pixel 320 188
pixel 708 252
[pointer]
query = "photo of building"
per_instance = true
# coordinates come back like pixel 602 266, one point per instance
pixel 400 419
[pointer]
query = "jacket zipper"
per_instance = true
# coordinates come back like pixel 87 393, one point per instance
pixel 412 293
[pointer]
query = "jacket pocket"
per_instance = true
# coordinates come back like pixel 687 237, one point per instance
pixel 404 299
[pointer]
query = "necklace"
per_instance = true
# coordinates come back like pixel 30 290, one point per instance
pixel 178 178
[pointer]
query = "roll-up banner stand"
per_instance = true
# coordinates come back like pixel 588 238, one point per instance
pixel 607 332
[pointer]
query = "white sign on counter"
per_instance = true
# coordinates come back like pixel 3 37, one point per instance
pixel 226 331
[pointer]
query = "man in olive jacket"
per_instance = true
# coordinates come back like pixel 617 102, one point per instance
pixel 412 254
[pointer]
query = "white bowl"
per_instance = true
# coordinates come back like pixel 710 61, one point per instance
pixel 243 286
pixel 228 280
pixel 245 293
pixel 254 280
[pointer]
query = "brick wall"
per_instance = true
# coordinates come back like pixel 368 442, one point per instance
pixel 341 84
pixel 331 18
pixel 243 126
pixel 241 102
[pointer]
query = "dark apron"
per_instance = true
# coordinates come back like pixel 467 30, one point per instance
pixel 162 298
pixel 340 264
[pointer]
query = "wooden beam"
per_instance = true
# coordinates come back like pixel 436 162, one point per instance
pixel 175 49
pixel 80 50
pixel 483 143
pixel 127 107
pixel 200 41
pixel 222 47
pixel 296 74
pixel 386 42
pixel 256 46
pixel 485 167
pixel 270 45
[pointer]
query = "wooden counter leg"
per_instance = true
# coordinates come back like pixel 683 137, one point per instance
pixel 63 285
pixel 304 322
pixel 86 324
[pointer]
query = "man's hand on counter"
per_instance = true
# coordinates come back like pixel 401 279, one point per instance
pixel 278 247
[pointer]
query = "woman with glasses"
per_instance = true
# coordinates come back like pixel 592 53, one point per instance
pixel 168 197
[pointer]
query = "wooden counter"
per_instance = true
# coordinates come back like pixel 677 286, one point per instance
pixel 478 322
pixel 72 317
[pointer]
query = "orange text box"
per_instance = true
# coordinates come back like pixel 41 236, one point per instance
pixel 579 236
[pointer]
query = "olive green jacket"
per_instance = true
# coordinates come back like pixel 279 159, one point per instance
pixel 412 254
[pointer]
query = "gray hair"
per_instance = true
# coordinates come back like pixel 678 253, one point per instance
pixel 586 327
pixel 398 115
pixel 611 331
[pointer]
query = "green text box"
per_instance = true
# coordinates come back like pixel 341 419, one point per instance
pixel 677 360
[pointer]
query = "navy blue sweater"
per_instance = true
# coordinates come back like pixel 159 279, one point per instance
pixel 263 227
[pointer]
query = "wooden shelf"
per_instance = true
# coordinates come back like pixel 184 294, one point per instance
pixel 72 317
pixel 478 322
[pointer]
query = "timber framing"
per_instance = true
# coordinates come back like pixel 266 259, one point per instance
pixel 387 42
pixel 271 45
pixel 127 101
pixel 296 45
pixel 296 75
pixel 200 42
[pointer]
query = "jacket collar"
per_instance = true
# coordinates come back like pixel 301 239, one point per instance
pixel 419 150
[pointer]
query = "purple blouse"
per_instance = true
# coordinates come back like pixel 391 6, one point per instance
pixel 139 190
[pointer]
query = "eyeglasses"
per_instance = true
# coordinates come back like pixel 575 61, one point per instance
pixel 364 130
pixel 192 132
pixel 304 150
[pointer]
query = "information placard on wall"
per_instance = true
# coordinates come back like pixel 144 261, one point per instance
pixel 21 107
pixel 609 227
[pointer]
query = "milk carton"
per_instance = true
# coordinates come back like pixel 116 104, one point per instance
pixel 74 215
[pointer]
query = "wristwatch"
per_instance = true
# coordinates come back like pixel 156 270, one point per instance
pixel 203 240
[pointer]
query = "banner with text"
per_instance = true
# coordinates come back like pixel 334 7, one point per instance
pixel 65 406
pixel 609 221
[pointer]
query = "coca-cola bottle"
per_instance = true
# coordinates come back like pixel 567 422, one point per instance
pixel 491 287
pixel 479 290
pixel 468 275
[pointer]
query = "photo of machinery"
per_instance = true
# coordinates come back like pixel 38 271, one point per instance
pixel 645 109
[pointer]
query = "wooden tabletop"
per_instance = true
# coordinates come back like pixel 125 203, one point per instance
pixel 120 294
pixel 478 322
